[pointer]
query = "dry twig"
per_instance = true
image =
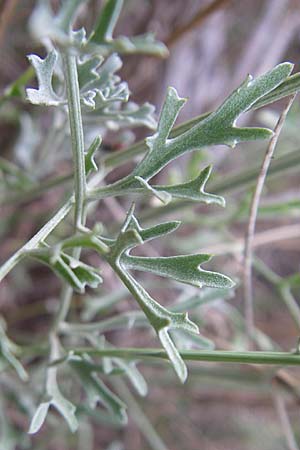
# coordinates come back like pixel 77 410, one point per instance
pixel 197 20
pixel 249 238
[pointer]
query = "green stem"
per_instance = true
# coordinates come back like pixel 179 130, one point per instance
pixel 34 242
pixel 268 358
pixel 75 119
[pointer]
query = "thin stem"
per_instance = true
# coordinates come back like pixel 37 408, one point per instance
pixel 76 128
pixel 196 21
pixel 231 183
pixel 253 357
pixel 248 250
pixel 39 237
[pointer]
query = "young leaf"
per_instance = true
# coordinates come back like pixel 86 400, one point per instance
pixel 97 391
pixel 157 231
pixel 58 401
pixel 87 70
pixel 45 24
pixel 193 190
pixel 90 164
pixel 102 95
pixel 129 368
pixel 44 68
pixel 134 375
pixel 8 350
pixel 76 273
pixel 39 417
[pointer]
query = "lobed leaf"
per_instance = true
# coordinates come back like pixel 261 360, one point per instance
pixel 193 190
pixel 90 164
pixel 102 35
pixel 217 128
pixel 58 401
pixel 8 350
pixel 44 68
pixel 97 391
pixel 76 273
pixel 184 268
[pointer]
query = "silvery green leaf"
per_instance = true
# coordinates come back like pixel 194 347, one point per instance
pixel 98 74
pixel 147 234
pixel 289 87
pixel 129 368
pixel 45 24
pixel 131 115
pixel 173 354
pixel 39 417
pixel 107 20
pixel 102 94
pixel 88 70
pixel 217 128
pixel 107 73
pixel 67 14
pixel 136 378
pixel 44 68
pixel 76 273
pixel 8 349
pixel 161 194
pixel 88 100
pixel 97 391
pixel 193 190
pixel 145 44
pixel 65 408
pixel 90 164
pixel 183 268
pixel 102 35
pixel 104 97
pixel 54 395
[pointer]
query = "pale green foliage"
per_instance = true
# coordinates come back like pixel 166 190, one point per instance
pixel 96 389
pixel 8 350
pixel 181 268
pixel 98 97
pixel 44 71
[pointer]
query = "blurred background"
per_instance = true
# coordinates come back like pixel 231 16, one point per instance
pixel 213 45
